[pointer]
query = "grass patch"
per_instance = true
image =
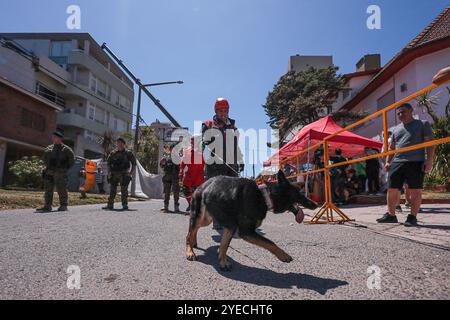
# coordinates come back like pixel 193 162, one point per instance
pixel 19 199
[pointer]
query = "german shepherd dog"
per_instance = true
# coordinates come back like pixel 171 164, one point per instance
pixel 239 204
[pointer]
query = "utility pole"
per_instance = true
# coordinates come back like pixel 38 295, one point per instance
pixel 138 120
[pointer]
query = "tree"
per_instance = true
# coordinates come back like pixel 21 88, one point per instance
pixel 300 98
pixel 148 149
pixel 440 172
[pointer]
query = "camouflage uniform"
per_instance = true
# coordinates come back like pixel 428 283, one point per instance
pixel 171 181
pixel 119 168
pixel 58 158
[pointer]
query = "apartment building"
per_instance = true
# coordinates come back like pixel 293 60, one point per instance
pixel 72 71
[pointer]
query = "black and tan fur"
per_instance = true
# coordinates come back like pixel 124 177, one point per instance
pixel 238 204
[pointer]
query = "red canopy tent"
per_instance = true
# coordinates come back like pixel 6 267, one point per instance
pixel 351 144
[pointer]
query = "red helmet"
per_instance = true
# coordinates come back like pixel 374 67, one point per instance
pixel 221 103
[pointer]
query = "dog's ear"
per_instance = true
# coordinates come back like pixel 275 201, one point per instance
pixel 282 178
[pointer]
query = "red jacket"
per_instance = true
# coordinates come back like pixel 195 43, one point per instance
pixel 192 167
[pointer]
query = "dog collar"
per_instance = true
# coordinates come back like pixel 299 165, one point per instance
pixel 266 195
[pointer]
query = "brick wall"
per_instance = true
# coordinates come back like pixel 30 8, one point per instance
pixel 12 105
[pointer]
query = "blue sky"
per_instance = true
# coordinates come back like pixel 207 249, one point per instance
pixel 232 48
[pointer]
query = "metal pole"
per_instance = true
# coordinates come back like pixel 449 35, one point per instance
pixel 307 177
pixel 253 163
pixel 138 117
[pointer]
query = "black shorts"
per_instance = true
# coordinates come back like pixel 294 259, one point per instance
pixel 411 173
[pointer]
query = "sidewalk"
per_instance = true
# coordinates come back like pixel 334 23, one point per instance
pixel 434 222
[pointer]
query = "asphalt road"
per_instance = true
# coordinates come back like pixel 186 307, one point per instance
pixel 139 254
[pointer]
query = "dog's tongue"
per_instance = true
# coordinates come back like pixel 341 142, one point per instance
pixel 299 216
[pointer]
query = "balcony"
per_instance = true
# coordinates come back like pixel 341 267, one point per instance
pixel 77 121
pixel 78 57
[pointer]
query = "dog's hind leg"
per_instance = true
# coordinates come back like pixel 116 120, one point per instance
pixel 225 265
pixel 259 240
pixel 191 238
pixel 199 218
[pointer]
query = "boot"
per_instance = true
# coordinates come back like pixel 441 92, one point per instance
pixel 177 208
pixel 165 209
pixel 44 209
pixel 62 208
pixel 108 207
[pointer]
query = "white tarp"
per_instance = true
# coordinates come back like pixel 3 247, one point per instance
pixel 147 185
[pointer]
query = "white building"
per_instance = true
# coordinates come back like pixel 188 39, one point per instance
pixel 412 69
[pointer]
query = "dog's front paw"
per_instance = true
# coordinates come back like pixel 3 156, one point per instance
pixel 191 256
pixel 225 266
pixel 284 257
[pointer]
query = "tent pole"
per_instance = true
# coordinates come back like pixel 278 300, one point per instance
pixel 307 176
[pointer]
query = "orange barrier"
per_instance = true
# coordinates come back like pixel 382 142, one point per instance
pixel 328 208
pixel 90 169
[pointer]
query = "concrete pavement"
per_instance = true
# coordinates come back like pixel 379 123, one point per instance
pixel 139 254
pixel 433 220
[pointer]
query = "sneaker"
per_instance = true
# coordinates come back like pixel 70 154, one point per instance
pixel 387 218
pixel 108 207
pixel 411 221
pixel 398 209
pixel 62 208
pixel 408 205
pixel 44 209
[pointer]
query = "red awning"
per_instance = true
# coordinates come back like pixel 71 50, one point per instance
pixel 351 144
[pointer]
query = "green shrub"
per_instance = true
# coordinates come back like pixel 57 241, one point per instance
pixel 28 172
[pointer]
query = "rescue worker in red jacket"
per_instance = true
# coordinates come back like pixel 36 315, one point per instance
pixel 192 169
pixel 214 135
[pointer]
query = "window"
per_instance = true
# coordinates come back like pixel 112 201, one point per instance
pixel 125 103
pixel 90 135
pixel 93 83
pixel 345 93
pixel 118 99
pixel 32 120
pixel 91 111
pixel 60 48
pixel 100 115
pixel 101 88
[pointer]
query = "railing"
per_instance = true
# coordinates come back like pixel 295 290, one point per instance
pixel 328 207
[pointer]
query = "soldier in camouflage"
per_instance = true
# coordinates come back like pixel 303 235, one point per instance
pixel 170 181
pixel 119 173
pixel 58 158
